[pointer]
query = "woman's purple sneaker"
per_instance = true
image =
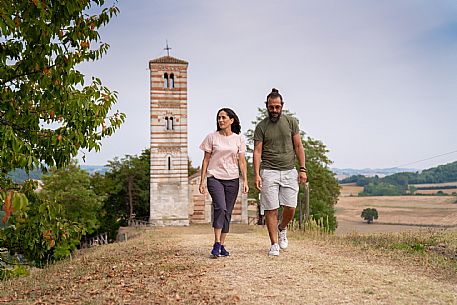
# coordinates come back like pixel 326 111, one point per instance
pixel 224 252
pixel 216 252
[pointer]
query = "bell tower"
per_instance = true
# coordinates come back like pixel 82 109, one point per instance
pixel 169 201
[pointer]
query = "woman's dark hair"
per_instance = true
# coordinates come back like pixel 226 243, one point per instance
pixel 274 94
pixel 236 127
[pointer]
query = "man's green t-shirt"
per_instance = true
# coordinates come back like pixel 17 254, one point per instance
pixel 277 145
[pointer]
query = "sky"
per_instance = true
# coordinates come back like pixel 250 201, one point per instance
pixel 375 81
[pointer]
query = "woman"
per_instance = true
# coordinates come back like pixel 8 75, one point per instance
pixel 224 158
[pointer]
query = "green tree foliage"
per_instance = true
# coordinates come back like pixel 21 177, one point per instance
pixel 38 228
pixel 383 189
pixel 125 187
pixel 71 188
pixel 369 214
pixel 397 184
pixel 47 112
pixel 191 169
pixel 324 188
pixel 360 180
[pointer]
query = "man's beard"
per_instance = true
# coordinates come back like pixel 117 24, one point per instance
pixel 274 117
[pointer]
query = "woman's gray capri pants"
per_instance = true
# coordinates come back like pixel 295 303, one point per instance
pixel 223 193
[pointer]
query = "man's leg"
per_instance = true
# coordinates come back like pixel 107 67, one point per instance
pixel 271 219
pixel 287 215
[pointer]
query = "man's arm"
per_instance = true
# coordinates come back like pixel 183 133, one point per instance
pixel 257 156
pixel 300 153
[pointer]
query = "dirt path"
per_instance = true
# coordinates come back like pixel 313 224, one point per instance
pixel 172 266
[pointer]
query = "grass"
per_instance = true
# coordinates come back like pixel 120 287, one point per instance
pixel 428 249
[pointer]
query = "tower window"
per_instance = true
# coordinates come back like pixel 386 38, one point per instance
pixel 165 80
pixel 169 162
pixel 172 80
pixel 169 122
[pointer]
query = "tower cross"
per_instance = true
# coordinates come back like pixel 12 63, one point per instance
pixel 167 48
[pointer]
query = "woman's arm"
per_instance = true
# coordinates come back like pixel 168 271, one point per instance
pixel 202 187
pixel 244 172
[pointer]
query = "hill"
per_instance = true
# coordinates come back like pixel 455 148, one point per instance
pixel 439 174
pixel 342 173
pixel 19 175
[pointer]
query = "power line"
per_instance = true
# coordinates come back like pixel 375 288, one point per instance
pixel 448 153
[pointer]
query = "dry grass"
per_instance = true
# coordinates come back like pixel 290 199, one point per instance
pixel 172 266
pixel 436 184
pixel 431 192
pixel 396 213
pixel 350 189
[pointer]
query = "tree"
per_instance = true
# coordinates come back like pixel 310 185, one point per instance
pixel 125 187
pixel 324 188
pixel 369 214
pixel 192 169
pixel 70 187
pixel 47 113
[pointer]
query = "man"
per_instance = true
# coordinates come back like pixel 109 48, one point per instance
pixel 277 141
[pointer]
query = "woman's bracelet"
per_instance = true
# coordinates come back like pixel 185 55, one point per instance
pixel 303 169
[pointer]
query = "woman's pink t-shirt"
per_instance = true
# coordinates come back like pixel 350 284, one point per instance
pixel 225 151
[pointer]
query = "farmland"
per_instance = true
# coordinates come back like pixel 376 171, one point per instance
pixel 396 213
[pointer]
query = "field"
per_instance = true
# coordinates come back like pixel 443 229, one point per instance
pixel 396 213
pixel 434 185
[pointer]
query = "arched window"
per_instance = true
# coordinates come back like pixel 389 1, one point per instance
pixel 167 125
pixel 165 80
pixel 172 80
pixel 170 124
pixel 169 162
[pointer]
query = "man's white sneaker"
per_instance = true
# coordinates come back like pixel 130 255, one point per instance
pixel 282 235
pixel 274 250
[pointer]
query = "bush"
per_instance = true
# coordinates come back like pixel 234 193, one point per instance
pixel 40 231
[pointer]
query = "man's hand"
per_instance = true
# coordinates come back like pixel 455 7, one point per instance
pixel 302 178
pixel 258 182
pixel 245 187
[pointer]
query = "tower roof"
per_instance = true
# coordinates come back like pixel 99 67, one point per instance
pixel 167 60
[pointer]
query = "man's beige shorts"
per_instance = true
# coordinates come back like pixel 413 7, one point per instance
pixel 278 188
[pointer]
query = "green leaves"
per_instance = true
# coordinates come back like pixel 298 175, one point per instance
pixel 13 203
pixel 47 112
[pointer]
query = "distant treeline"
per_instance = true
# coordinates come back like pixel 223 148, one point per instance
pixel 400 183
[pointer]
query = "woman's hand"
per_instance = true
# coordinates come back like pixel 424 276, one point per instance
pixel 202 189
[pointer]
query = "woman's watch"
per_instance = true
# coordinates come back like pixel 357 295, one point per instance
pixel 303 169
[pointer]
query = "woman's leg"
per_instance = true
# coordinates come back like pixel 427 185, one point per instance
pixel 216 190
pixel 231 188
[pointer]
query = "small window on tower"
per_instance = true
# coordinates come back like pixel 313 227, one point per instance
pixel 172 80
pixel 169 162
pixel 165 80
pixel 170 123
pixel 167 123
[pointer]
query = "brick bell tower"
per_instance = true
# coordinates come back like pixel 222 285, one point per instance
pixel 169 201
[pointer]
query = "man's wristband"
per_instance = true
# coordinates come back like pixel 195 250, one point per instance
pixel 303 169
